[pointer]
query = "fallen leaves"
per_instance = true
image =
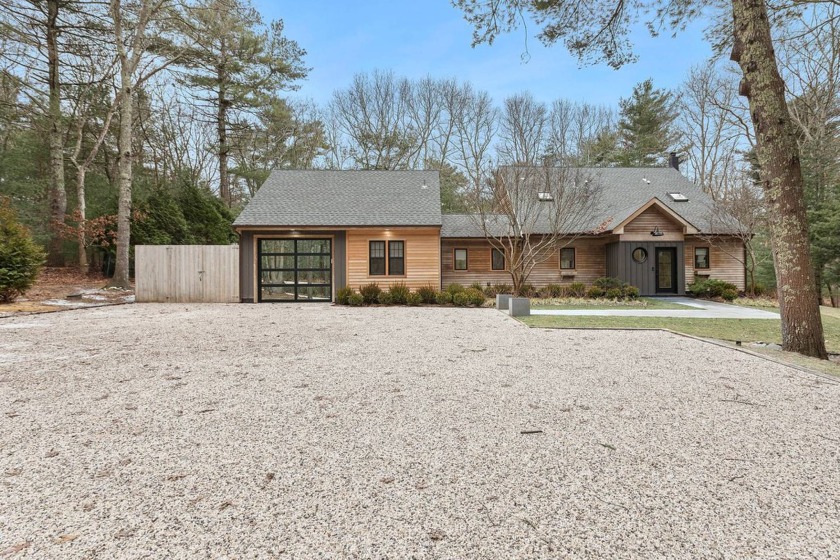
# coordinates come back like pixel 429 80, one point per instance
pixel 69 537
pixel 14 549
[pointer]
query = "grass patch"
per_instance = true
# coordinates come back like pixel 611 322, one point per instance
pixel 746 330
pixel 584 303
pixel 830 312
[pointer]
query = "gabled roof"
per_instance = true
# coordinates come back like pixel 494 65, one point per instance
pixel 334 198
pixel 623 194
pixel 664 209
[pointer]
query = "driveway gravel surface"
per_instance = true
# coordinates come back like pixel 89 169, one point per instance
pixel 262 431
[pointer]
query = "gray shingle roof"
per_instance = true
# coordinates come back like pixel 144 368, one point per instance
pixel 345 198
pixel 622 192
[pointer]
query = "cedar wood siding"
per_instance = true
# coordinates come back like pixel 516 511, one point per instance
pixel 639 229
pixel 726 259
pixel 422 256
pixel 590 263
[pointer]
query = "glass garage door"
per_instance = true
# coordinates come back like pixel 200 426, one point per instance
pixel 295 270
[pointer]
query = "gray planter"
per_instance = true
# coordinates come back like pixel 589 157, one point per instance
pixel 503 301
pixel 520 307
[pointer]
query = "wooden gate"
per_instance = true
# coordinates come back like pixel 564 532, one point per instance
pixel 187 273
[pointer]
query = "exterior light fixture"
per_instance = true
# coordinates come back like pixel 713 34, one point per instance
pixel 657 232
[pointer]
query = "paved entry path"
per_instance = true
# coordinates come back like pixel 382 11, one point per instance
pixel 695 309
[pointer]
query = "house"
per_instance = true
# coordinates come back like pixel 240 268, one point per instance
pixel 308 233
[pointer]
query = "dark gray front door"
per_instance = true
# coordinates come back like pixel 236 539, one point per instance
pixel 666 270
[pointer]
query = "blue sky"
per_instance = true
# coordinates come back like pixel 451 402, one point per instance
pixel 430 37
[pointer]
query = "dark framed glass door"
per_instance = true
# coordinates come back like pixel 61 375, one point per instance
pixel 295 270
pixel 666 270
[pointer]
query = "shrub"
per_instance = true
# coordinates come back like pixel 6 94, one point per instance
pixel 631 292
pixel 413 299
pixel 443 298
pixel 477 286
pixel 496 289
pixel 370 293
pixel 711 288
pixel 476 297
pixel 355 299
pixel 615 293
pixel 398 292
pixel 343 295
pixel 729 295
pixel 594 292
pixel 461 299
pixel 20 257
pixel 386 298
pixel 576 289
pixel 427 294
pixel 527 290
pixel 607 284
pixel 453 289
pixel 554 290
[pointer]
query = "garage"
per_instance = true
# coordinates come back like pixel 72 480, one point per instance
pixel 295 270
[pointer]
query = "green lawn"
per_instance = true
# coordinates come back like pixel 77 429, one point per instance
pixel 582 303
pixel 746 330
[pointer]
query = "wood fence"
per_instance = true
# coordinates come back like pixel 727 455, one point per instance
pixel 187 273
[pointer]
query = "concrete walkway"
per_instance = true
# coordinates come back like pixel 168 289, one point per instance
pixel 695 309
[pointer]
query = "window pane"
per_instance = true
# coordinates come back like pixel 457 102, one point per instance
pixel 701 257
pixel 278 261
pixel 313 261
pixel 377 258
pixel 277 245
pixel 315 293
pixel 460 259
pixel 498 258
pixel 314 277
pixel 396 258
pixel 277 293
pixel 313 246
pixel 567 257
pixel 277 276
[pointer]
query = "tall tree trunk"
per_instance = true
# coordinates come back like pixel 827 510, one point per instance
pixel 781 177
pixel 224 177
pixel 57 196
pixel 124 166
pixel 81 236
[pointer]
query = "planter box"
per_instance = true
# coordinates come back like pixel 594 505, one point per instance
pixel 520 307
pixel 503 301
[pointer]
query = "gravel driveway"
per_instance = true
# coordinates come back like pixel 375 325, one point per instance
pixel 249 431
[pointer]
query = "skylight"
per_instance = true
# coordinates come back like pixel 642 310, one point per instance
pixel 545 196
pixel 678 197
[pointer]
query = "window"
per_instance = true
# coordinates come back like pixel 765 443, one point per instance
pixel 701 257
pixel 396 258
pixel 567 258
pixel 460 259
pixel 639 255
pixel 497 259
pixel 377 258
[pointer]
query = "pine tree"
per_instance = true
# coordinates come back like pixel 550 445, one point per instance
pixel 235 65
pixel 645 132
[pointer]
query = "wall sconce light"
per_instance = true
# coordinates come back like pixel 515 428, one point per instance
pixel 657 232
